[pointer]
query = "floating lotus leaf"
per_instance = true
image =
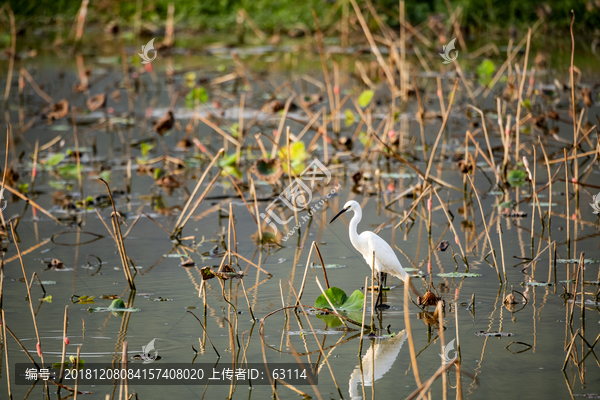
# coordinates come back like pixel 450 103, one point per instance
pixel 334 322
pixel 516 178
pixel 340 300
pixel 268 170
pixel 117 307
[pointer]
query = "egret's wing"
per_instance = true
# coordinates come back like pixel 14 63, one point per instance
pixel 384 255
pixel 386 353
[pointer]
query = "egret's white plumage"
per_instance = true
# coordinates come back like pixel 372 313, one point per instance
pixel 368 242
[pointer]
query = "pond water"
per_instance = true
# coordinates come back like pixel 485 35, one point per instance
pixel 525 364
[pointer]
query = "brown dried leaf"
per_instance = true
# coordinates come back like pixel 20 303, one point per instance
pixel 443 245
pixel 206 273
pixel 55 263
pixel 273 106
pixel 188 263
pixel 165 123
pixel 96 102
pixel 168 181
pixel 510 299
pixel 587 98
pixel 429 299
pixel 59 110
pixel 228 272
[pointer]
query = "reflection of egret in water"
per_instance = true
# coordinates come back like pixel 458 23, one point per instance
pixel 383 356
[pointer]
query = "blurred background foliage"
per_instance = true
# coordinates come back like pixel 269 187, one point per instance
pixel 273 15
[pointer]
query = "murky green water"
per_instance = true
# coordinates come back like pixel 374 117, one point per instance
pixel 526 364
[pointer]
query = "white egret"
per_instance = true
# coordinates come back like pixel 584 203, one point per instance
pixel 368 242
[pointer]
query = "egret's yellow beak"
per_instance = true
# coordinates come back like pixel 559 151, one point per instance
pixel 340 213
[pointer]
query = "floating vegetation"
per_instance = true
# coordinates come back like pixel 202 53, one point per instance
pixel 328 266
pixel 70 363
pixel 458 275
pixel 225 272
pixel 517 178
pixel 267 170
pixel 514 214
pixel 443 245
pixel 576 261
pixel 83 299
pixel 188 263
pixel 117 307
pixel 340 300
pixel 534 284
pixel 493 334
pixel 284 132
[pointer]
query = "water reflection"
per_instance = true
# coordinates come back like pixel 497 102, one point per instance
pixel 376 362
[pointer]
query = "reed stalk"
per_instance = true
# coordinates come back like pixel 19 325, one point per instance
pixel 6 355
pixel 189 201
pixel 64 346
pixel 521 86
pixel 206 333
pixel 325 357
pixel 37 333
pixel 411 343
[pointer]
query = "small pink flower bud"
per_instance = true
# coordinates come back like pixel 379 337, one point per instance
pixel 428 204
pixel 66 340
pixel 39 349
pixel 336 89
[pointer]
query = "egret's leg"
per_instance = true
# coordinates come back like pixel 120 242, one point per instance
pixel 379 302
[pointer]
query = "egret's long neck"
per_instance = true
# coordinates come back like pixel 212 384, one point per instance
pixel 353 228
